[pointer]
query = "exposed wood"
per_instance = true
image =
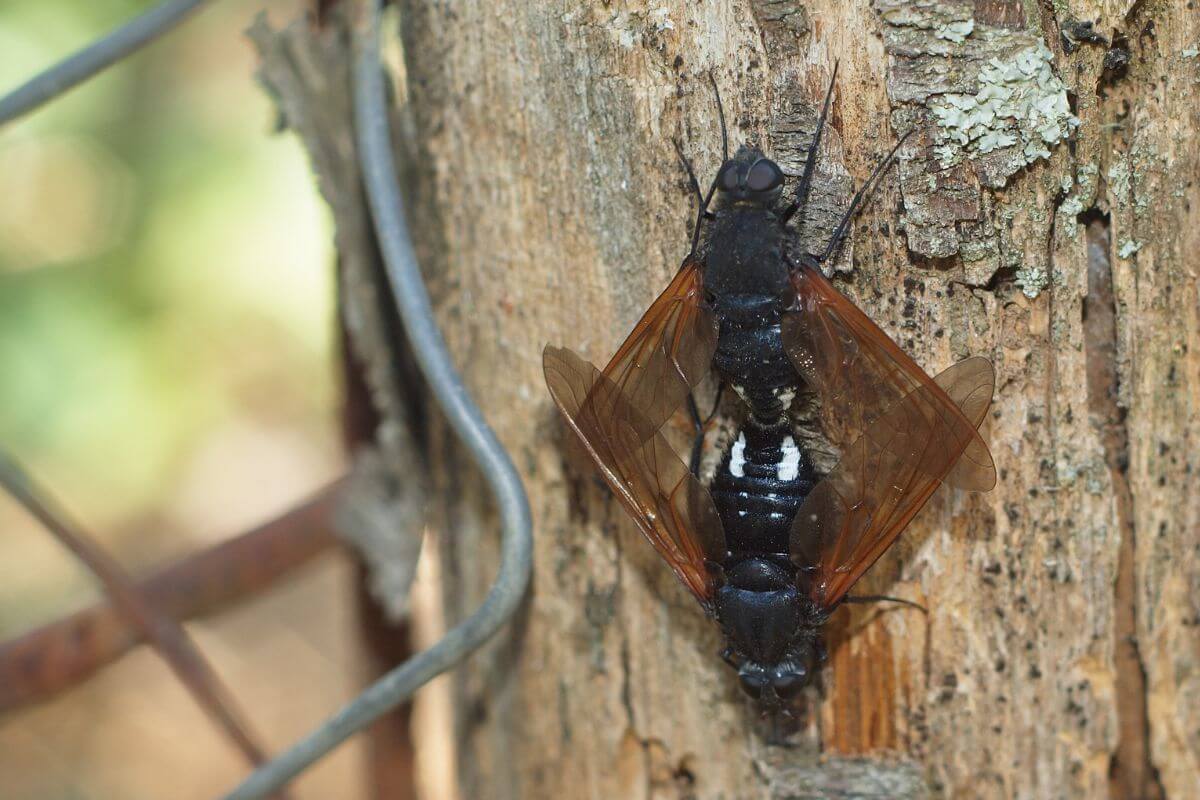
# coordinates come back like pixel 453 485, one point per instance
pixel 548 206
pixel 391 766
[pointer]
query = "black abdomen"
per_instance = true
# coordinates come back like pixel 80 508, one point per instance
pixel 758 488
pixel 750 355
pixel 765 476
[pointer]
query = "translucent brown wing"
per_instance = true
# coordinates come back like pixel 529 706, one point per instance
pixel 673 510
pixel 860 374
pixel 669 351
pixel 901 433
pixel 883 479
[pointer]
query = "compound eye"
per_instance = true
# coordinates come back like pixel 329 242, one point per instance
pixel 789 683
pixel 764 176
pixel 752 683
pixel 729 177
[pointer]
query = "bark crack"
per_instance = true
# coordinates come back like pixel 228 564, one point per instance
pixel 625 657
pixel 1131 770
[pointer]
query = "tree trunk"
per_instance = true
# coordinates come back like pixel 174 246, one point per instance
pixel 1061 653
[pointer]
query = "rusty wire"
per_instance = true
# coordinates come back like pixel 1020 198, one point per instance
pixel 160 630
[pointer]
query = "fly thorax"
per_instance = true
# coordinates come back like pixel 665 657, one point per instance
pixel 745 253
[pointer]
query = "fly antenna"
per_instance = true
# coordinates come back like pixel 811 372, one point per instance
pixel 712 188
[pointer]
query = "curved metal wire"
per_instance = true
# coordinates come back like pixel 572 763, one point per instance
pixel 76 69
pixel 379 172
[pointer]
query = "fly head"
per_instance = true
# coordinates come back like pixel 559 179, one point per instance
pixel 773 642
pixel 749 178
pixel 777 684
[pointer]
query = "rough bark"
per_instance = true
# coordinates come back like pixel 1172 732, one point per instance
pixel 1061 653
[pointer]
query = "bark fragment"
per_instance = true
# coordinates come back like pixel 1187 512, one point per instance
pixel 978 82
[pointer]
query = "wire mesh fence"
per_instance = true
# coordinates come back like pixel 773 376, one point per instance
pixel 138 602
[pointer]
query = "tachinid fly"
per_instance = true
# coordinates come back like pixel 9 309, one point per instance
pixel 769 547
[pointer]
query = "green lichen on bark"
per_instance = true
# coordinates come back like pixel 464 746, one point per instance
pixel 1080 193
pixel 956 32
pixel 1118 179
pixel 1021 105
pixel 1032 280
pixel 849 778
pixel 1128 247
pixel 987 101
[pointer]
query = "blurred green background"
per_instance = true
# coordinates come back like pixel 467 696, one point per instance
pixel 165 276
pixel 167 368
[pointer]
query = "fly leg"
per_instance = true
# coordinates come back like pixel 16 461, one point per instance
pixel 702 200
pixel 810 160
pixel 883 598
pixel 781 723
pixel 860 198
pixel 693 184
pixel 698 442
pixel 701 425
pixel 775 735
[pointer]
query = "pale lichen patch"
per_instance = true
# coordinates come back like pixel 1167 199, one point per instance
pixel 951 24
pixel 1020 104
pixel 976 251
pixel 661 19
pixel 632 29
pixel 1032 280
pixel 1128 247
pixel 987 107
pixel 1086 180
pixel 956 32
pixel 1118 179
pixel 1070 208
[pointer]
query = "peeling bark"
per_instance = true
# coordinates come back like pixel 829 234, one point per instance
pixel 381 513
pixel 1061 654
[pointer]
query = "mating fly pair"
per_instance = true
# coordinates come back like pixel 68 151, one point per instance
pixel 769 546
